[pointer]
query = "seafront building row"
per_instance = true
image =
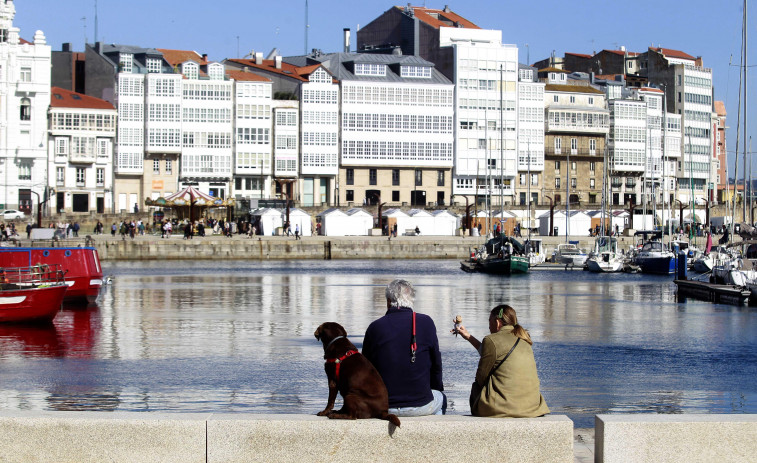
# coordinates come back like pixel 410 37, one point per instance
pixel 431 110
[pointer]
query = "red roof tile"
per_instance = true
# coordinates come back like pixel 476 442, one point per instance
pixel 246 76
pixel 720 108
pixel 674 53
pixel 23 41
pixel 269 65
pixel 440 18
pixel 62 98
pixel 580 55
pixel 176 57
pixel 650 89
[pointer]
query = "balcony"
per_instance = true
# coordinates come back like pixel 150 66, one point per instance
pixel 82 158
pixel 565 151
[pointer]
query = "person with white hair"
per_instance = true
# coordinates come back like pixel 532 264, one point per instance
pixel 403 347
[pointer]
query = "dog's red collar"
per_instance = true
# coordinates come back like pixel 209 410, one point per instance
pixel 338 361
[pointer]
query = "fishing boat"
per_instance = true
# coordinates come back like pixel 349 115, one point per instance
pixel 501 255
pixel 81 266
pixel 31 294
pixel 605 258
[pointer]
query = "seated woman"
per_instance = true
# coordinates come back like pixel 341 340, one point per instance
pixel 506 385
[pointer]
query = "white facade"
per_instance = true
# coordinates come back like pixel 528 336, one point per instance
pixel 80 157
pixel 530 123
pixel 286 138
pixel 252 147
pixel 319 106
pixel 25 97
pixel 627 142
pixel 397 124
pixel 486 102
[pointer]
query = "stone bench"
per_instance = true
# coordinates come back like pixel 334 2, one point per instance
pixel 214 438
pixel 675 438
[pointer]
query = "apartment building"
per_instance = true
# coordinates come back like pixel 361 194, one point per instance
pixel 720 152
pixel 80 159
pixel 25 70
pixel 576 129
pixel 490 157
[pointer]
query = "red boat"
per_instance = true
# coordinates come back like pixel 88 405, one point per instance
pixel 31 294
pixel 81 266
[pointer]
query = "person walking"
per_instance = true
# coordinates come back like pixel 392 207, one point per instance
pixel 296 231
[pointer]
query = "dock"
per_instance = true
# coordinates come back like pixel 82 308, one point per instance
pixel 712 292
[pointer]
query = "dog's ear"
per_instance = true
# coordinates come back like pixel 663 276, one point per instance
pixel 318 332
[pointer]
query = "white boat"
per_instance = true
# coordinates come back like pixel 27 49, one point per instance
pixel 605 257
pixel 704 264
pixel 570 255
pixel 732 272
pixel 535 252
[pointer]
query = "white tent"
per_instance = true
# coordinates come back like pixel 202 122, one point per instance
pixel 423 221
pixel 301 218
pixel 446 223
pixel 400 218
pixel 579 223
pixel 269 219
pixel 334 222
pixel 360 222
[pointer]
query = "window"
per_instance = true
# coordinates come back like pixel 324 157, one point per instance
pixel 350 195
pixel 100 177
pixel 372 176
pixel 395 177
pixel 439 178
pixel 492 163
pixel 153 65
pixel 418 177
pixel 395 196
pixel 81 176
pixel 592 166
pixel 26 109
pixel 522 199
pixel 557 166
pixel 61 146
pixel 169 166
pixel 522 179
pixel 591 100
pixel 156 166
pixel 60 175
pixel 573 166
pixel 591 183
pixel 557 183
pixel 573 145
pixel 592 147
pixel 558 145
pixel 191 70
pixel 125 62
pixel 572 99
pixel 350 176
pixel 25 74
pixel 573 182
pixel 534 179
pixel 482 143
pixel 556 99
pixel 366 69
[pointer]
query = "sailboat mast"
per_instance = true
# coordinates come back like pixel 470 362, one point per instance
pixel 744 128
pixel 488 175
pixel 501 148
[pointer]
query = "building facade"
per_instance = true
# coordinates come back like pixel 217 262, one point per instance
pixel 80 160
pixel 25 91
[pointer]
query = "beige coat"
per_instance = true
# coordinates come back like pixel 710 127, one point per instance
pixel 513 390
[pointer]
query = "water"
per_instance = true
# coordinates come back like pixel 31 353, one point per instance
pixel 238 337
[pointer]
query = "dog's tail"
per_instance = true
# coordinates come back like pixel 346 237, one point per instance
pixel 391 418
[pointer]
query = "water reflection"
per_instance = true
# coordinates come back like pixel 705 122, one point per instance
pixel 237 336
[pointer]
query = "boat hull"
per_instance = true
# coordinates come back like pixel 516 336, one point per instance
pixel 498 266
pixel 82 268
pixel 604 266
pixel 665 265
pixel 39 304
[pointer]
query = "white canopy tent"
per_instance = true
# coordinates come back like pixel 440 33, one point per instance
pixel 360 222
pixel 579 223
pixel 402 220
pixel 445 223
pixel 269 220
pixel 423 221
pixel 301 218
pixel 334 222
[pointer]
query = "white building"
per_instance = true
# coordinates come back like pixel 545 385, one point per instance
pixel 252 145
pixel 81 139
pixel 530 135
pixel 25 91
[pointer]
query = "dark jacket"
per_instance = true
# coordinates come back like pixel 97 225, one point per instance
pixel 387 346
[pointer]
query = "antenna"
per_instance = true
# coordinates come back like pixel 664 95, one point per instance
pixel 95 22
pixel 84 23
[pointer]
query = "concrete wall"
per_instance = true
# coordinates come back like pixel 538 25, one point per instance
pixel 85 437
pixel 675 438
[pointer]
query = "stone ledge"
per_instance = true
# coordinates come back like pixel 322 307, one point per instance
pixel 85 437
pixel 675 438
pixel 263 438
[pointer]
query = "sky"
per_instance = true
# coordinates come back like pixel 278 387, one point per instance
pixel 228 29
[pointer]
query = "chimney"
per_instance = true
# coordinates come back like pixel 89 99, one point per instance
pixel 99 47
pixel 346 39
pixel 259 58
pixel 446 9
pixel 277 62
pixel 66 47
pixel 204 57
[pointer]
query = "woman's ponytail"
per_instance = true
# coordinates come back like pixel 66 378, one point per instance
pixel 507 314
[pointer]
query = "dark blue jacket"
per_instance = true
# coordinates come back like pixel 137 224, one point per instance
pixel 387 346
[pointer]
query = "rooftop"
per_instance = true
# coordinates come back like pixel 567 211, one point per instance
pixel 572 89
pixel 439 18
pixel 62 98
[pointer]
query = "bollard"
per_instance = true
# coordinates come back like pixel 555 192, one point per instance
pixel 681 266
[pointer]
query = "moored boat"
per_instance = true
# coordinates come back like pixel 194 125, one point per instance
pixel 31 294
pixel 81 266
pixel 499 256
pixel 569 254
pixel 605 257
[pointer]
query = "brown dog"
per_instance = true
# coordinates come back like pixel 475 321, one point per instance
pixel 353 375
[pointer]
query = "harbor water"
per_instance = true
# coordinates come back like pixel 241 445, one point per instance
pixel 237 336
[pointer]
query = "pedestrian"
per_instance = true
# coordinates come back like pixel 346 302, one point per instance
pixel 28 231
pixel 296 231
pixel 76 229
pixel 188 231
pixel 113 230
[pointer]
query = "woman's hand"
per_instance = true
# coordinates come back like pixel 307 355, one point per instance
pixel 462 332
